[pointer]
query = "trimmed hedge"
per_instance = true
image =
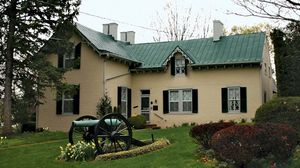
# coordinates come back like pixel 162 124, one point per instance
pixel 138 122
pixel 240 144
pixel 161 143
pixel 204 132
pixel 280 110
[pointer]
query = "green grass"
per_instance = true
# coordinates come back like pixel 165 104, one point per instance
pixel 41 150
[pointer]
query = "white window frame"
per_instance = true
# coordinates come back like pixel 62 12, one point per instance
pixel 63 104
pixel 180 100
pixel 180 66
pixel 124 100
pixel 69 57
pixel 234 99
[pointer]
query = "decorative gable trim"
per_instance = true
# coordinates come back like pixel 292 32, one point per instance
pixel 184 54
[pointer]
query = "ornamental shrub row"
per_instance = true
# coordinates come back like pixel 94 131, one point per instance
pixel 204 132
pixel 240 144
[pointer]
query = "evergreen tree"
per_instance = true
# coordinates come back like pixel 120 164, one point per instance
pixel 24 28
pixel 287 59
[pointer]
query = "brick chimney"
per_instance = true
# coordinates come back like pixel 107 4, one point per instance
pixel 218 30
pixel 111 29
pixel 128 36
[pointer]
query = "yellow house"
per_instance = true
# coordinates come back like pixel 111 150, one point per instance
pixel 170 83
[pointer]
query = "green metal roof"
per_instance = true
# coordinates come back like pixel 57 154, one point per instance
pixel 234 49
pixel 105 42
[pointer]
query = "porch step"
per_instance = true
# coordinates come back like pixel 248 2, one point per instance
pixel 153 126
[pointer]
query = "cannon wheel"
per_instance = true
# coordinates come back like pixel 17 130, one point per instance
pixel 112 133
pixel 81 133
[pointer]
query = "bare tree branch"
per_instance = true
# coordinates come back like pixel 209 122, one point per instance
pixel 288 10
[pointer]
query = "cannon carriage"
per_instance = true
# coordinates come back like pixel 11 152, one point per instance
pixel 112 133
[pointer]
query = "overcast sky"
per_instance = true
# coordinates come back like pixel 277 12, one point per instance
pixel 132 13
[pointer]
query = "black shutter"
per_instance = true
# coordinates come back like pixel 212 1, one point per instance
pixel 166 101
pixel 119 96
pixel 243 92
pixel 173 66
pixel 128 103
pixel 224 100
pixel 195 101
pixel 58 104
pixel 185 68
pixel 76 100
pixel 60 59
pixel 77 56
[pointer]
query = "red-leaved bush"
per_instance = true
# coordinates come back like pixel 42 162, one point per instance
pixel 204 132
pixel 242 143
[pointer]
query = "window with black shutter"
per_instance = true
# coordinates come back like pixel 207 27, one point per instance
pixel 234 99
pixel 70 60
pixel 124 101
pixel 180 100
pixel 68 101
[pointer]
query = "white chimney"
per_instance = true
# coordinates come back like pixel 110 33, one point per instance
pixel 128 36
pixel 111 29
pixel 218 30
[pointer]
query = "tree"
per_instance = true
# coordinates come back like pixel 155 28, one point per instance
pixel 288 10
pixel 176 27
pixel 261 27
pixel 287 59
pixel 24 28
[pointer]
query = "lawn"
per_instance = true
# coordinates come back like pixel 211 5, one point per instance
pixel 41 149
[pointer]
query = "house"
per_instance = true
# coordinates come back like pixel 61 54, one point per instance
pixel 170 83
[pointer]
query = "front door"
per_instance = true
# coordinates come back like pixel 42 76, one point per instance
pixel 145 104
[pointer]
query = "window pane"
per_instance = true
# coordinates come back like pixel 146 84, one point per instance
pixel 174 106
pixel 187 95
pixel 145 103
pixel 123 108
pixel 124 94
pixel 68 106
pixel 174 96
pixel 187 106
pixel 69 63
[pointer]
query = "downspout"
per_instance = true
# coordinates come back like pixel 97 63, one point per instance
pixel 104 78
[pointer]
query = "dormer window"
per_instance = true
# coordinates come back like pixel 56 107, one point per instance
pixel 179 66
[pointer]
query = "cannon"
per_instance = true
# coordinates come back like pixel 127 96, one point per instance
pixel 112 133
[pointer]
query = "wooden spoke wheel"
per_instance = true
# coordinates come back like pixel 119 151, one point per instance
pixel 82 133
pixel 112 134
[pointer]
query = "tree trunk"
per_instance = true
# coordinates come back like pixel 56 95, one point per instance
pixel 7 128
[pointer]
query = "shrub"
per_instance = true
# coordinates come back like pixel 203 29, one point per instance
pixel 279 140
pixel 104 106
pixel 138 122
pixel 280 110
pixel 80 151
pixel 161 143
pixel 240 144
pixel 204 132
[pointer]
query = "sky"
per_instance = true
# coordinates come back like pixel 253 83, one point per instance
pixel 131 15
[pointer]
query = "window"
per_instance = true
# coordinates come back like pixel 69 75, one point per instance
pixel 68 101
pixel 181 100
pixel 179 66
pixel 70 60
pixel 234 99
pixel 124 101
